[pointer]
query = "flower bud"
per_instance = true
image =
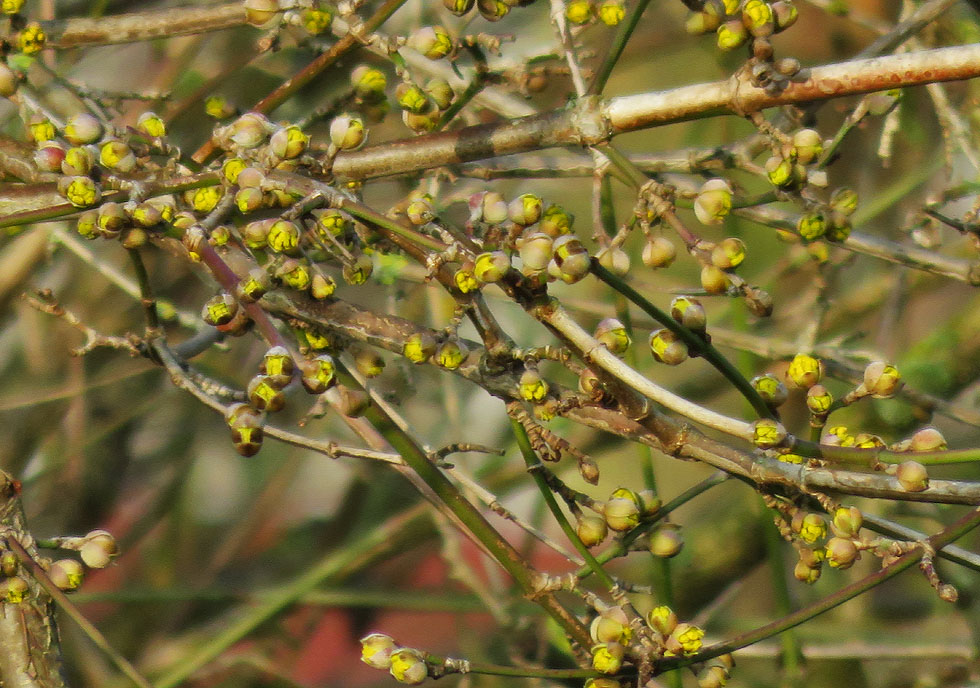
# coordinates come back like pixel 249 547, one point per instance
pixel 491 267
pixel 591 530
pixel 265 394
pixel 14 590
pixel 316 20
pixel 912 476
pixel 571 257
pixel 611 12
pixel 784 172
pixel 667 348
pixel 712 676
pixel 369 83
pixel 322 286
pixel 205 199
pixel 459 7
pixel 772 391
pixel 812 225
pixel 532 387
pixel 283 236
pixel 440 92
pixel 465 279
pixel 376 650
pixel 602 682
pixel 808 145
pixel 732 34
pixel 49 156
pixel 359 271
pixel 260 12
pixel 806 573
pixel 714 280
pixel 810 527
pixel 927 440
pixel 689 312
pixel 578 11
pixel 10 564
pixel 659 252
pixel 666 541
pixel 219 309
pixel 882 380
pixel 841 553
pixel 713 202
pixel 536 251
pixel 432 41
pixel 611 626
pixel 607 658
pixel 847 521
pixel 819 400
pixel 78 160
pixel 615 260
pixel 67 574
pixel 844 201
pixel 612 334
pixel 320 374
pixel 151 124
pixel 685 639
pixel 11 6
pixel 556 221
pixel 621 513
pixel 333 222
pixel 347 132
pixel 408 666
pixel 40 128
pixel 768 433
pixel 81 192
pixel 412 98
pixel 785 14
pixel 804 371
pixel 295 274
pixel 288 142
pixel 99 549
pixel 451 354
pixel 865 440
pixel 82 128
pixel 489 207
pixel 662 619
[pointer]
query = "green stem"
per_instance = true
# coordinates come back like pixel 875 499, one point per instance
pixel 535 467
pixel 505 554
pixel 617 47
pixel 964 525
pixel 693 341
pixel 875 455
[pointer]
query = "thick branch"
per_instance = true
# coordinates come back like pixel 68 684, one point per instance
pixel 590 121
pixel 142 26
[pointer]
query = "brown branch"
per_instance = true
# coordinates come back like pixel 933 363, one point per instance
pixel 142 26
pixel 29 653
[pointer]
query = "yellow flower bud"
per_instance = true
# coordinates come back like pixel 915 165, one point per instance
pixel 151 124
pixel 608 658
pixel 532 387
pixel 376 650
pixel 31 39
pixel 408 666
pixel 804 371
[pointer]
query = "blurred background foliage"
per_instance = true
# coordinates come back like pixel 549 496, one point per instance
pixel 107 441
